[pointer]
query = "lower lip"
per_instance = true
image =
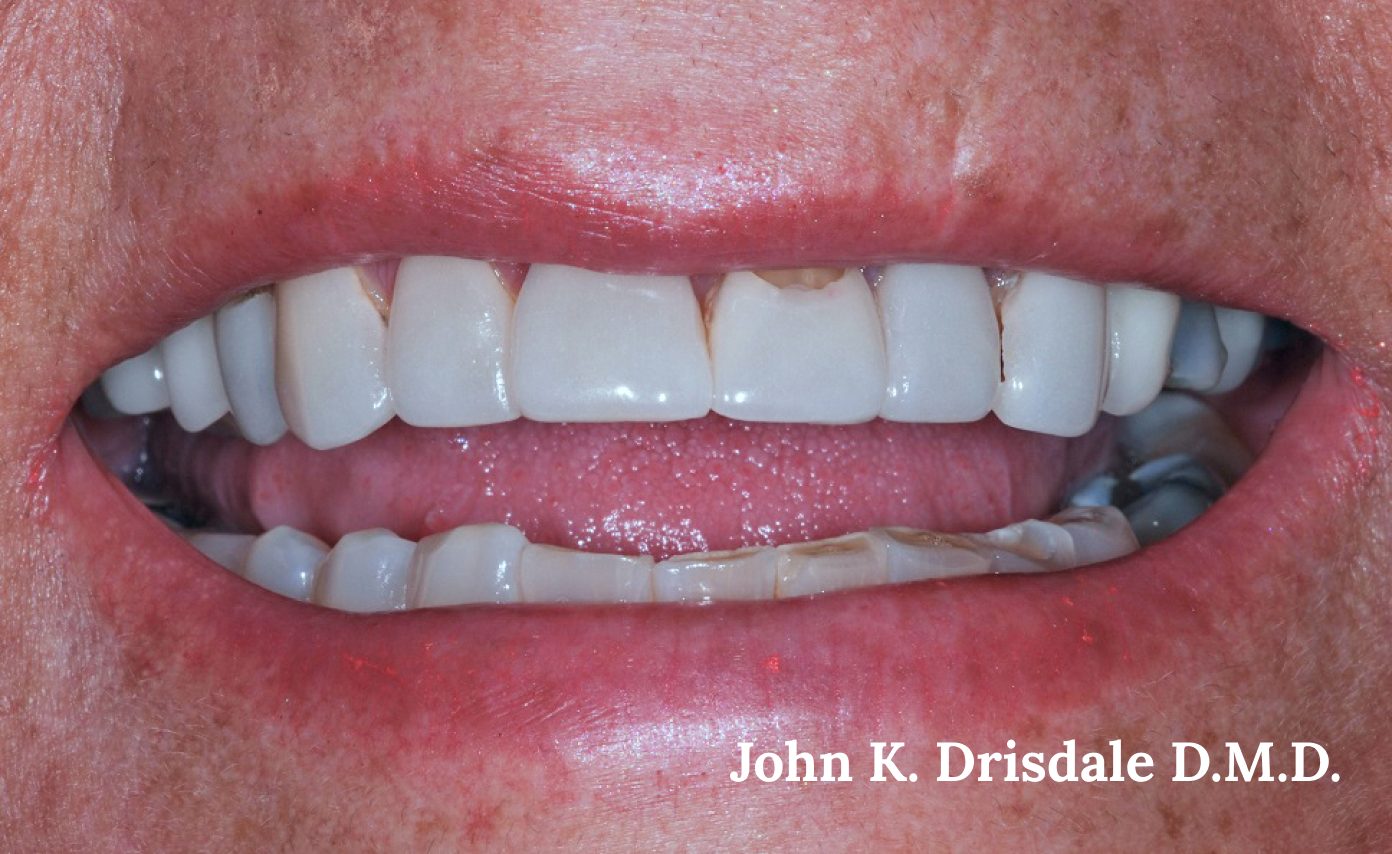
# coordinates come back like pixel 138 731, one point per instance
pixel 559 688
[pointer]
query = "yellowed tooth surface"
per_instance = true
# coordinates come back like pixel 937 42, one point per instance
pixel 915 555
pixel 475 563
pixel 551 574
pixel 855 560
pixel 717 576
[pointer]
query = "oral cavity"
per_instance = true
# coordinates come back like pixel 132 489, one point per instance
pixel 333 357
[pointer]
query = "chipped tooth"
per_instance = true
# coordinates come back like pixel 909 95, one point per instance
pixel 796 354
pixel 717 576
pixel 1098 533
pixel 855 560
pixel 1164 510
pixel 471 564
pixel 1197 358
pixel 365 573
pixel 942 343
pixel 916 555
pixel 196 394
pixel 1140 333
pixel 246 349
pixel 228 551
pixel 551 574
pixel 1242 333
pixel 330 366
pixel 285 561
pixel 606 347
pixel 1053 349
pixel 137 386
pixel 448 343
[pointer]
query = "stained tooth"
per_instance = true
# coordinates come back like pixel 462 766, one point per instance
pixel 1140 332
pixel 228 551
pixel 285 561
pixel 246 331
pixel 710 576
pixel 1196 362
pixel 914 555
pixel 1163 511
pixel 448 342
pixel 855 560
pixel 606 347
pixel 330 371
pixel 195 381
pixel 797 354
pixel 137 386
pixel 1242 333
pixel 365 573
pixel 1180 424
pixel 1028 546
pixel 550 574
pixel 942 343
pixel 1098 533
pixel 475 563
pixel 1053 348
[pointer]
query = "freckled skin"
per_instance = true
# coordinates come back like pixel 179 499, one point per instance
pixel 154 156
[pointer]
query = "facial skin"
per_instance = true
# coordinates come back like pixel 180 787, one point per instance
pixel 155 157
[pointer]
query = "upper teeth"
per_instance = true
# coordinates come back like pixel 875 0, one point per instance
pixel 924 344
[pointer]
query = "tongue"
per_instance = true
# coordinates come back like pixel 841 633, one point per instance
pixel 659 489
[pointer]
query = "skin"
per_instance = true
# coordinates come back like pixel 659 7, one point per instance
pixel 1235 151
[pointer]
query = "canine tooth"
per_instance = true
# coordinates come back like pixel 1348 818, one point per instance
pixel 228 551
pixel 1140 333
pixel 605 347
pixel 474 563
pixel 448 343
pixel 717 576
pixel 1242 333
pixel 330 371
pixel 1053 349
pixel 551 574
pixel 246 349
pixel 285 561
pixel 915 555
pixel 855 560
pixel 1180 424
pixel 1196 362
pixel 191 369
pixel 1098 533
pixel 794 354
pixel 365 573
pixel 137 386
pixel 942 343
pixel 1158 514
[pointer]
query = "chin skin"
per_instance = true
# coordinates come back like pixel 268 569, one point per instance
pixel 1232 150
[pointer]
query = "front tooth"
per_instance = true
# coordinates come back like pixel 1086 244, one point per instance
pixel 942 343
pixel 228 551
pixel 1196 363
pixel 246 333
pixel 365 573
pixel 551 574
pixel 1053 349
pixel 330 370
pixel 191 367
pixel 915 555
pixel 797 354
pixel 1242 333
pixel 448 343
pixel 285 561
pixel 855 560
pixel 1140 333
pixel 474 563
pixel 137 386
pixel 1098 533
pixel 711 576
pixel 605 347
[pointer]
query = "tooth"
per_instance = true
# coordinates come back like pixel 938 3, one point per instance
pixel 1098 533
pixel 330 372
pixel 1180 424
pixel 1140 332
pixel 551 574
pixel 1053 346
pixel 228 551
pixel 1158 514
pixel 447 344
pixel 246 331
pixel 137 386
pixel 474 563
pixel 717 576
pixel 365 573
pixel 604 347
pixel 195 381
pixel 794 354
pixel 1185 468
pixel 942 343
pixel 1242 333
pixel 914 555
pixel 855 560
pixel 1027 546
pixel 1097 492
pixel 1196 362
pixel 285 561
